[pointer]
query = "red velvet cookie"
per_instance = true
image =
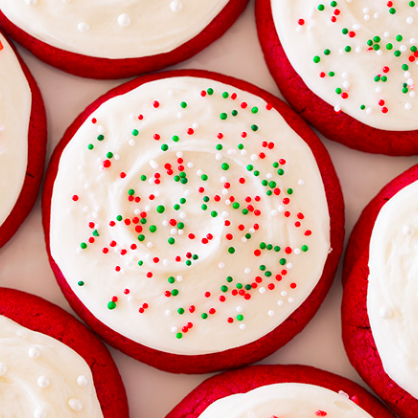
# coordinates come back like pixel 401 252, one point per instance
pixel 22 141
pixel 117 40
pixel 279 391
pixel 348 69
pixel 45 350
pixel 368 317
pixel 210 220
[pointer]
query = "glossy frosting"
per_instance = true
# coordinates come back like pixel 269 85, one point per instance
pixel 42 378
pixel 290 400
pixel 114 28
pixel 358 56
pixel 189 217
pixel 393 289
pixel 15 108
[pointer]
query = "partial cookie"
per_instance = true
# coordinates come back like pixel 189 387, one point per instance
pixel 378 311
pixel 51 365
pixel 117 39
pixel 279 391
pixel 22 140
pixel 349 69
pixel 193 220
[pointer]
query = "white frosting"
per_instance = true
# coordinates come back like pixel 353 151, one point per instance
pixel 44 385
pixel 393 289
pixel 144 262
pixel 290 400
pixel 15 108
pixel 115 28
pixel 307 32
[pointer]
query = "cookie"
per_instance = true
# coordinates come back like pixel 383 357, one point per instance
pixel 279 391
pixel 22 140
pixel 193 220
pixel 117 39
pixel 35 337
pixel 379 294
pixel 347 68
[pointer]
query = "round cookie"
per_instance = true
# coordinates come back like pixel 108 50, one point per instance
pixel 35 336
pixel 118 39
pixel 348 70
pixel 193 220
pixel 290 391
pixel 378 324
pixel 22 140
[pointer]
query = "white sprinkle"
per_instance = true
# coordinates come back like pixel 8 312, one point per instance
pixel 39 413
pixel 290 300
pixel 254 157
pixel 132 142
pixel 173 231
pixel 408 230
pixel 301 182
pixel 262 290
pixel 346 85
pixel 239 308
pixel 83 27
pixel 147 208
pixel 165 222
pixel 385 312
pixel 227 202
pixel 365 10
pixel 378 89
pixel 386 34
pixel 101 130
pixel 244 240
pixel 403 48
pixel 95 215
pixel 150 244
pixel 43 382
pixel 408 106
pixel 174 329
pixel 195 125
pixel 154 164
pixel 170 92
pixel 31 2
pixel 411 94
pixel 190 165
pixel 3 369
pixel 179 115
pixel 167 312
pixel 280 208
pixel 225 191
pixel 179 278
pixel 410 81
pixel 341 51
pixel 369 110
pixel 358 49
pixel 242 326
pixel 124 20
pixel 410 20
pixel 137 211
pixel 243 152
pixel 283 293
pixel 166 262
pixel 366 17
pixel 223 179
pixel 179 154
pixel 231 152
pixel 289 265
pixel 199 172
pixel 252 230
pixel 247 270
pixel 297 251
pixel 337 108
pixel 345 395
pixel 274 212
pixel 75 404
pixel 280 303
pixel 407 74
pixel 187 192
pixel 376 15
pixel 344 75
pixel 218 156
pixel 225 214
pixel 183 215
pixel 82 381
pixel 180 232
pixel 221 265
pixel 270 313
pixel 356 26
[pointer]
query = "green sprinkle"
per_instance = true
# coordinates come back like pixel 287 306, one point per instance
pixel 171 280
pixel 282 261
pixel 269 247
pixel 119 218
pixel 316 59
pixel 405 67
pixel 240 317
pixel 143 177
pixel 179 335
pixel 268 273
pixel 236 205
pixel 397 53
pixel 333 4
pixel 176 138
pixel 204 207
pixel 275 164
pixel 231 250
pixel 254 128
pixel 141 237
pixel 90 146
pixel 289 191
pixel 248 236
pixel 376 47
pixel 100 138
pixel 392 11
pixel 411 4
pixel 321 7
pixel 327 52
pixel 280 171
pixel 338 90
pixel 254 110
pixel 214 214
pixel 83 245
pixel 224 288
pixel 348 48
pixel 219 147
pixel 256 173
pixel 184 181
pixel 180 311
pixel 225 166
pixel 272 184
pixel 164 147
pixel 225 95
pixel 95 233
pixel 183 105
pixel 143 221
pixel 176 178
pixel 405 90
pixel 229 279
pixel 240 146
pixel 262 267
pixel 245 211
pixel 223 116
pixel 131 192
pixel 204 177
pixel 210 91
pixel 247 287
pixel 376 38
pixel 182 174
pixel 140 263
pixel 152 228
pixel 370 42
pixel 331 74
pixel 389 46
pixel 109 155
pixel 377 78
pixel 344 31
pixel 111 305
pixel 269 192
pixel 188 263
pixel 238 285
pixel 304 248
pixel 174 292
pixel 384 78
pixel 195 257
pixel 262 245
pixel 362 107
pixel 180 225
pixel 413 48
pixel 135 132
pixel 250 167
pixel 399 38
pixel 182 200
pixel 176 207
pixel 160 209
pixel 276 248
pixel 234 112
pixel 204 316
pixel 80 283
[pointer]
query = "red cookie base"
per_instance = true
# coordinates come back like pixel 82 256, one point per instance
pixel 39 315
pixel 36 160
pixel 106 68
pixel 266 345
pixel 357 335
pixel 338 127
pixel 244 380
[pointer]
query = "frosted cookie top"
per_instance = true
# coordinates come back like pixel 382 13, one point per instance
pixel 358 56
pixel 42 377
pixel 393 289
pixel 15 108
pixel 187 216
pixel 115 28
pixel 290 400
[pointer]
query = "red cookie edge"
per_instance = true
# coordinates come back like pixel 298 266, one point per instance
pixel 357 336
pixel 264 346
pixel 107 68
pixel 42 316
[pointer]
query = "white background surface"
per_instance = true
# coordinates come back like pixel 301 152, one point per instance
pixel 23 261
